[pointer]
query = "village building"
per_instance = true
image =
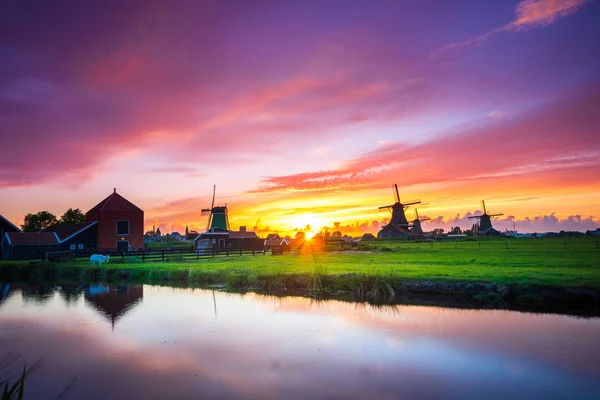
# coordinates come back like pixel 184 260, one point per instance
pixel 113 301
pixel 222 240
pixel 276 242
pixel 120 223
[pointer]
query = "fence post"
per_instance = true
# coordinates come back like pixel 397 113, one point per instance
pixel 253 252
pixel 240 252
pixel 227 252
pixel 144 256
pixel 197 255
pixel 163 255
pixel 213 251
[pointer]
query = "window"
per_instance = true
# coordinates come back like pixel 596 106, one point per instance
pixel 72 247
pixel 80 247
pixel 214 241
pixel 122 227
pixel 122 245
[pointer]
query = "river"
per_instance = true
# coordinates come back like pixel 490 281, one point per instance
pixel 152 342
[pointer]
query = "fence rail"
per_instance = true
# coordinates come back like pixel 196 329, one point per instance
pixel 175 254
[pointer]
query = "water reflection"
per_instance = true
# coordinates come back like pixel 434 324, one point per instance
pixel 113 301
pixel 171 345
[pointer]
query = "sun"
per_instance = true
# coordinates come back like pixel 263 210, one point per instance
pixel 304 221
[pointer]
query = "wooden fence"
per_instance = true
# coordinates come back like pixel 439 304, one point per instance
pixel 174 254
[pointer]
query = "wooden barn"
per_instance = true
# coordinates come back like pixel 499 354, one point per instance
pixel 28 245
pixel 120 223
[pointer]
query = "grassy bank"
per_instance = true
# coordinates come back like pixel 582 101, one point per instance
pixel 491 271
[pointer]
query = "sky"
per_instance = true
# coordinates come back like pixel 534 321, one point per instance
pixel 304 113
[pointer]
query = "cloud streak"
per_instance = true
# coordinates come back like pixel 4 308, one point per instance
pixel 529 14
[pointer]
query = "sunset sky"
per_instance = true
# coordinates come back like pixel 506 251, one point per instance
pixel 303 112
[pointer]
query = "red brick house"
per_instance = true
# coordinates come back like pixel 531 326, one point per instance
pixel 120 223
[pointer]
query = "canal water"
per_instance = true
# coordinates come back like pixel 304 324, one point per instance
pixel 151 342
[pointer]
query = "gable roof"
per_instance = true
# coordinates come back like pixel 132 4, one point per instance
pixel 277 242
pixel 115 202
pixel 30 238
pixel 66 232
pixel 4 221
pixel 242 235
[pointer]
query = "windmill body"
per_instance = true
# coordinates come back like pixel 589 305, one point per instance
pixel 485 222
pixel 398 227
pixel 416 224
pixel 218 220
pixel 219 236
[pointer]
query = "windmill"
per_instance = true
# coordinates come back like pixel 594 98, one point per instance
pixel 485 222
pixel 218 220
pixel 416 224
pixel 398 225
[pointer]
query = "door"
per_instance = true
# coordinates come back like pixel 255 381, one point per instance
pixel 122 245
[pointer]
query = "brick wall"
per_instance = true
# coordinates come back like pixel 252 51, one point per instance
pixel 107 228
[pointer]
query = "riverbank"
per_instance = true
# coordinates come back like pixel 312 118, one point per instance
pixel 561 281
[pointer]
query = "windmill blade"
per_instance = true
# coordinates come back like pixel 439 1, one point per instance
pixel 410 203
pixel 475 216
pixel 209 222
pixel 416 213
pixel 382 207
pixel 495 215
pixel 483 203
pixel 397 193
pixel 424 219
pixel 214 193
pixel 205 211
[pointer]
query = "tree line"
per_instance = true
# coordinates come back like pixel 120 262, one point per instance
pixel 45 219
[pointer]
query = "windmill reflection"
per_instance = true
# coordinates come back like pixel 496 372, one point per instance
pixel 113 301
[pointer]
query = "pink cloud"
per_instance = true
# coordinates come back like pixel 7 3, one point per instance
pixel 528 14
pixel 560 138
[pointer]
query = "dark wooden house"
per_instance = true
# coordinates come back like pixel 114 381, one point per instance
pixel 28 245
pixel 6 226
pixel 120 224
pixel 77 237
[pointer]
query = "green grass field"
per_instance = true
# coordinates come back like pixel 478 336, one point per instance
pixel 514 261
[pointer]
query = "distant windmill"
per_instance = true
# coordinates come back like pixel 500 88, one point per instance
pixel 485 221
pixel 416 224
pixel 218 220
pixel 398 225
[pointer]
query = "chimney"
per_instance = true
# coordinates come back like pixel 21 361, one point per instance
pixel 114 190
pixel 242 228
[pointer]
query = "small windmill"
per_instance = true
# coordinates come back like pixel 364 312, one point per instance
pixel 218 220
pixel 416 224
pixel 398 219
pixel 485 221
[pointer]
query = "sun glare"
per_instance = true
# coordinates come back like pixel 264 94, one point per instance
pixel 307 223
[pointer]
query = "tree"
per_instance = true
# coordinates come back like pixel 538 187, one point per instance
pixel 438 231
pixel 72 216
pixel 300 235
pixel 38 221
pixel 158 232
pixel 456 230
pixel 187 231
pixel 336 235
